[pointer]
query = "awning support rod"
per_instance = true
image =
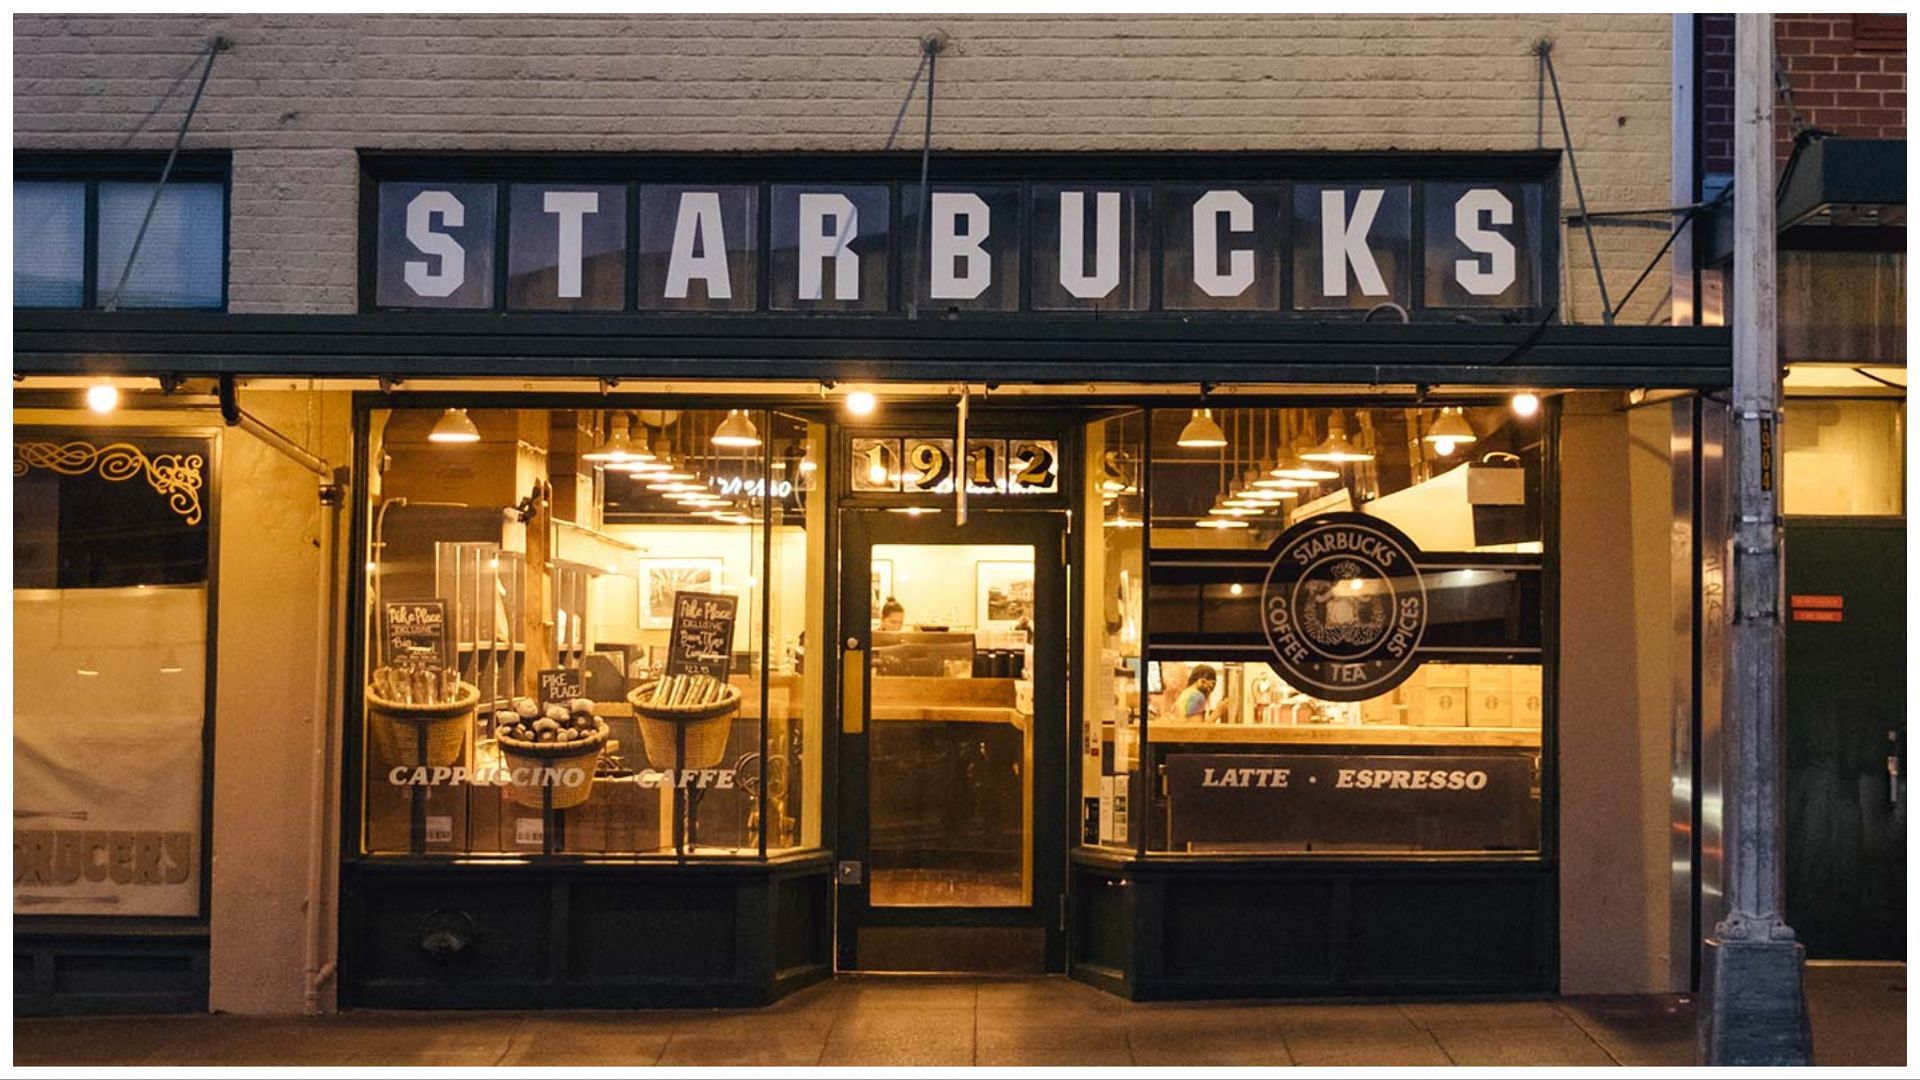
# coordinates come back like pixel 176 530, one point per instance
pixel 1544 49
pixel 218 46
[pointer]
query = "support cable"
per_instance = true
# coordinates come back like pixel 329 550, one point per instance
pixel 1544 49
pixel 218 46
pixel 930 47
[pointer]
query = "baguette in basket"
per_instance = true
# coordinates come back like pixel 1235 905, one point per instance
pixel 685 719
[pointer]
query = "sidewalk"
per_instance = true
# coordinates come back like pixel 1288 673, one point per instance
pixel 1859 1018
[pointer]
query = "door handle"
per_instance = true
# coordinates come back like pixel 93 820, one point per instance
pixel 1893 772
pixel 853 690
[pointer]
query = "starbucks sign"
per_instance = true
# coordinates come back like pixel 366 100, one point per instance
pixel 1344 606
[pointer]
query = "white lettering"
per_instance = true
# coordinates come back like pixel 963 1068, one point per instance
pixel 1343 243
pixel 572 208
pixel 1207 209
pixel 419 274
pixel 1499 274
pixel 819 243
pixel 1106 247
pixel 953 245
pixel 699 222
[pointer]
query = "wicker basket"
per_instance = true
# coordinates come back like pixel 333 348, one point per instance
pixel 396 727
pixel 580 754
pixel 706 727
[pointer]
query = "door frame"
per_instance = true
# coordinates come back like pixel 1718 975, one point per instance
pixel 860 528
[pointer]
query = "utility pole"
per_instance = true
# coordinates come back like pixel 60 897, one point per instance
pixel 1753 1011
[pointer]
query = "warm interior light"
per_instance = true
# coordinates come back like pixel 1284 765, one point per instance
pixel 1236 588
pixel 861 403
pixel 736 432
pixel 454 426
pixel 1443 447
pixel 1201 432
pixel 618 445
pixel 1525 404
pixel 1336 448
pixel 1451 427
pixel 1221 523
pixel 103 397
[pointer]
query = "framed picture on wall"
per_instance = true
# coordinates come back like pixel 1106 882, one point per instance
pixel 1003 594
pixel 882 584
pixel 661 578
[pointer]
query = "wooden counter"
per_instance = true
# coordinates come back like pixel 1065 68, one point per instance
pixel 1164 731
pixel 949 714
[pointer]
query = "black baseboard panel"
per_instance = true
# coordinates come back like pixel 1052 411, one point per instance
pixel 1154 929
pixel 431 934
pixel 104 972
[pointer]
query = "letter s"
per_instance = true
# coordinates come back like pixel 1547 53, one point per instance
pixel 420 275
pixel 1498 274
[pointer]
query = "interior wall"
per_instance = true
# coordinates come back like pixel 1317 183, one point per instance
pixel 1615 692
pixel 939 583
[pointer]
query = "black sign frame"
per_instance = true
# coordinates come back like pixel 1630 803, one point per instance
pixel 1159 172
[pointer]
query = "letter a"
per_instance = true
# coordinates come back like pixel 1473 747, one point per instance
pixel 699 218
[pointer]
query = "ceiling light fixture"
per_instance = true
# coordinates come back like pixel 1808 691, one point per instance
pixel 1201 432
pixel 736 432
pixel 454 426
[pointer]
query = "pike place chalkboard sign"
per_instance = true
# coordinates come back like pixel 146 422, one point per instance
pixel 701 640
pixel 417 629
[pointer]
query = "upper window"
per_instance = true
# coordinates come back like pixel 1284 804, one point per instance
pixel 76 231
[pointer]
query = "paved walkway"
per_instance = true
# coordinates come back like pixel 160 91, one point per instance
pixel 1859 1018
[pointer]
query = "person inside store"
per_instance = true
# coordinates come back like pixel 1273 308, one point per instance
pixel 893 615
pixel 1192 702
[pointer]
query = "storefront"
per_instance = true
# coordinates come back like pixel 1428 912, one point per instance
pixel 1156 581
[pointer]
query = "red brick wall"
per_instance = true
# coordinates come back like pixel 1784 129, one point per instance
pixel 1849 76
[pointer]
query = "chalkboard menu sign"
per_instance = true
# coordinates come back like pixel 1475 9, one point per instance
pixel 701 641
pixel 1309 802
pixel 561 685
pixel 417 629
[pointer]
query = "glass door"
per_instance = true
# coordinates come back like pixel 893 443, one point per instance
pixel 953 713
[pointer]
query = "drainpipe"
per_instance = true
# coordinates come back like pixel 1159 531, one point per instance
pixel 326 698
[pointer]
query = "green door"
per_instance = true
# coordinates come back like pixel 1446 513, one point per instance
pixel 1846 685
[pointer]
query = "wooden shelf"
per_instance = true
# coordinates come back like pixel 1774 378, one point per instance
pixel 1162 731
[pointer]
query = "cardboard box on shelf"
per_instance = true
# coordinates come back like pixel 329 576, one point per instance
pixel 1489 695
pixel 1441 698
pixel 1528 696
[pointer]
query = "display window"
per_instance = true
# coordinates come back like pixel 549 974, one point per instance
pixel 1341 621
pixel 112 553
pixel 587 632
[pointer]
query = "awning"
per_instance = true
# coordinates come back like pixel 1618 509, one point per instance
pixel 1027 349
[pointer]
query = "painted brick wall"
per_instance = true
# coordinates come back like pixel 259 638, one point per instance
pixel 1848 75
pixel 299 94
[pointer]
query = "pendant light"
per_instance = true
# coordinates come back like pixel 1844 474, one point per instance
pixel 1201 433
pixel 675 468
pixel 1336 448
pixel 454 426
pixel 1292 466
pixel 736 432
pixel 1450 430
pixel 618 445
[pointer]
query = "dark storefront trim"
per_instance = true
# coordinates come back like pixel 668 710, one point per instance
pixel 874 348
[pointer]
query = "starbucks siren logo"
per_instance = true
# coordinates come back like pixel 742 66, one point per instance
pixel 1344 607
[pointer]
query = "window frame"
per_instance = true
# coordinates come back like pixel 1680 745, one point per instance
pixel 211 499
pixel 91 170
